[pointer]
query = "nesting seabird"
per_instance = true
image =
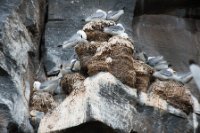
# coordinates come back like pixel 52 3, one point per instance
pixel 154 60
pixel 48 86
pixel 114 15
pixel 182 77
pixel 80 36
pixel 195 70
pixel 115 29
pixel 164 74
pixel 75 65
pixel 161 65
pixel 98 15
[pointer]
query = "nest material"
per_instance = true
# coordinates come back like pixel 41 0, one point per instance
pixel 42 101
pixel 72 82
pixel 98 25
pixel 95 59
pixel 143 75
pixel 97 36
pixel 174 93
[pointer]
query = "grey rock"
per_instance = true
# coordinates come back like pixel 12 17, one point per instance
pixel 107 101
pixel 18 55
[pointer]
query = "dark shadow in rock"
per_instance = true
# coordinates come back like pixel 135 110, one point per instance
pixel 180 8
pixel 89 127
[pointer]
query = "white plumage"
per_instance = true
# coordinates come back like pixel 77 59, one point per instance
pixel 99 14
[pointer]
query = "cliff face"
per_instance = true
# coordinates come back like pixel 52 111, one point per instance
pixel 158 27
pixel 21 26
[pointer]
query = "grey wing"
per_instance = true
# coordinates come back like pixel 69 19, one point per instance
pixel 166 73
pixel 155 60
pixel 48 83
pixel 111 14
pixel 72 41
pixel 97 15
pixel 183 77
pixel 113 29
pixel 183 74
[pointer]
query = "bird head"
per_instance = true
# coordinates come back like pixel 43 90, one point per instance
pixel 36 85
pixel 82 34
pixel 192 62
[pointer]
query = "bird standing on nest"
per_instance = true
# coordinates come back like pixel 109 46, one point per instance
pixel 114 15
pixel 80 36
pixel 51 86
pixel 99 14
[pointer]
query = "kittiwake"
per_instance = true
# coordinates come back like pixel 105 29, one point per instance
pixel 80 36
pixel 48 86
pixel 114 15
pixel 99 14
pixel 115 29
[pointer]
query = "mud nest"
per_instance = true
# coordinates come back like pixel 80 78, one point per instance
pixel 174 93
pixel 114 56
pixel 98 25
pixel 72 82
pixel 143 75
pixel 97 36
pixel 42 101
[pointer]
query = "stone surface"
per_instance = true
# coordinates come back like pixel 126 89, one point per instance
pixel 106 100
pixel 18 54
pixel 65 18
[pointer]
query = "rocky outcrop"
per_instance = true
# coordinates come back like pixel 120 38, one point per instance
pixel 106 100
pixel 20 32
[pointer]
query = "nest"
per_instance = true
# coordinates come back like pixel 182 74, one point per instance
pixel 72 82
pixel 112 57
pixel 98 25
pixel 174 93
pixel 42 101
pixel 143 75
pixel 97 36
pixel 117 40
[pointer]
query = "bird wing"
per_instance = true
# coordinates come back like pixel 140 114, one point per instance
pixel 195 70
pixel 114 14
pixel 97 15
pixel 166 73
pixel 154 61
pixel 46 84
pixel 72 41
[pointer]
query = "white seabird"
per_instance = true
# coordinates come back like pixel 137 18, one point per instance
pixel 182 77
pixel 99 14
pixel 80 36
pixel 114 15
pixel 195 70
pixel 170 74
pixel 115 29
pixel 152 61
pixel 48 86
pixel 161 65
pixel 75 65
pixel 164 74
